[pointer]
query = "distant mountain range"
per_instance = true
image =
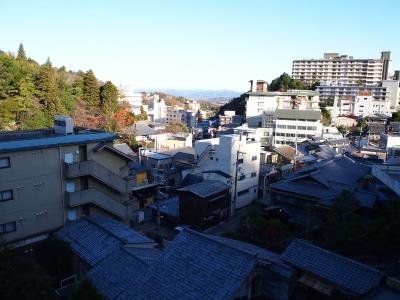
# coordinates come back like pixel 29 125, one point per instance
pixel 210 95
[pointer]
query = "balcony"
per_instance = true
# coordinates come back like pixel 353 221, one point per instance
pixel 101 173
pixel 93 196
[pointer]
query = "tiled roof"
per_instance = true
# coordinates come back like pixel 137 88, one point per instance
pixel 93 238
pixel 169 206
pixel 205 188
pixel 325 179
pixel 297 114
pixel 348 275
pixel 115 273
pixel 194 266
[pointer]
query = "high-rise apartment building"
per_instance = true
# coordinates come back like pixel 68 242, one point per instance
pixel 342 69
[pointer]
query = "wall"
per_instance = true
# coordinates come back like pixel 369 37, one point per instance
pixel 35 178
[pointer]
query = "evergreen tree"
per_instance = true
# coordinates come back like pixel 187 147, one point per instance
pixel 46 91
pixel 91 90
pixel 21 52
pixel 108 98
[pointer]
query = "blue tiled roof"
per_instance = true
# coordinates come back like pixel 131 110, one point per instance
pixel 194 266
pixel 55 141
pixel 93 238
pixel 348 275
pixel 168 206
pixel 118 271
pixel 324 180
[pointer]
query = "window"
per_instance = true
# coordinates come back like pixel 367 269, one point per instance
pixel 291 127
pixel 4 162
pixel 8 227
pixel 253 174
pixel 254 157
pixel 240 160
pixel 242 177
pixel 6 195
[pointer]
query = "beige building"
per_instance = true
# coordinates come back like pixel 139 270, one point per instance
pixel 51 176
pixel 342 69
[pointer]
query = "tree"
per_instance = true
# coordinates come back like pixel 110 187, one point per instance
pixel 22 278
pixel 362 123
pixel 108 98
pixel 21 52
pixel 396 116
pixel 285 82
pixel 90 90
pixel 46 91
pixel 176 127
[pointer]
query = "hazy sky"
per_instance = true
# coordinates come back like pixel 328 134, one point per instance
pixel 201 44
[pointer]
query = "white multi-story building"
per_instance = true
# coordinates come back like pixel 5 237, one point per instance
pixel 261 106
pixel 135 100
pixel 156 109
pixel 362 104
pixel 388 91
pixel 225 154
pixel 392 93
pixel 344 69
pixel 292 126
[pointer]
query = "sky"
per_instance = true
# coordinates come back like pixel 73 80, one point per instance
pixel 196 44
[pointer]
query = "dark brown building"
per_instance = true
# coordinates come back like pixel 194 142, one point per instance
pixel 204 204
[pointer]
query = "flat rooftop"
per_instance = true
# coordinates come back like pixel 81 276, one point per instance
pixel 47 138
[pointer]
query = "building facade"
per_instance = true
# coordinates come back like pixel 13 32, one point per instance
pixel 237 157
pixel 49 177
pixel 293 126
pixel 344 69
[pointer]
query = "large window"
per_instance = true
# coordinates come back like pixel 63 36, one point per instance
pixel 8 227
pixel 4 162
pixel 6 195
pixel 253 174
pixel 254 157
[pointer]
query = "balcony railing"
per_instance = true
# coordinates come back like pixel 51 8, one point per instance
pixel 99 199
pixel 96 170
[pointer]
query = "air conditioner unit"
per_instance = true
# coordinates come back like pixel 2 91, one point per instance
pixel 63 125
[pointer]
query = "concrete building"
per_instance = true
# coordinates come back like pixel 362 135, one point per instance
pixel 179 114
pixel 388 93
pixel 261 106
pixel 292 126
pixel 238 158
pixel 229 117
pixel 344 69
pixel 391 143
pixel 51 176
pixel 126 94
pixel 156 109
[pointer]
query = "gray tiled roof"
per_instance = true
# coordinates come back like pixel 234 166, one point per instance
pixel 297 114
pixel 324 180
pixel 93 238
pixel 169 206
pixel 347 275
pixel 194 266
pixel 205 188
pixel 115 273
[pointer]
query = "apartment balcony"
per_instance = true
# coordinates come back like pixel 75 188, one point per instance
pixel 101 173
pixel 93 196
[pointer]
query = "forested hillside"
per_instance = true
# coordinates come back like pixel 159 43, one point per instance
pixel 32 94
